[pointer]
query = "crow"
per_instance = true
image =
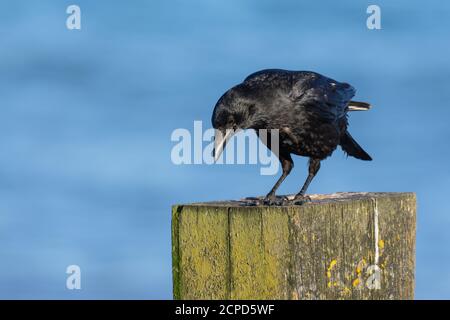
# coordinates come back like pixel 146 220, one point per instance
pixel 308 109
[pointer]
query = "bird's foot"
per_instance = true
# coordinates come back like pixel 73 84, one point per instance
pixel 272 200
pixel 301 199
pixel 251 201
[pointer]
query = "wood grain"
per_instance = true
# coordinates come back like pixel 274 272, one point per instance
pixel 340 246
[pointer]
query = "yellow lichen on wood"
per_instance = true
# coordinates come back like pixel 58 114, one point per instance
pixel 322 250
pixel 258 250
pixel 203 253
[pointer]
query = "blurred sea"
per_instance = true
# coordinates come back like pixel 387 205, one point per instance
pixel 86 118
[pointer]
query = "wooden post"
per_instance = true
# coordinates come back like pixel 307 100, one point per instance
pixel 339 246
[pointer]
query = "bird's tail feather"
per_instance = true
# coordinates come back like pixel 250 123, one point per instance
pixel 358 106
pixel 352 148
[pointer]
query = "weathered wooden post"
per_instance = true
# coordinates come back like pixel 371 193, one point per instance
pixel 340 246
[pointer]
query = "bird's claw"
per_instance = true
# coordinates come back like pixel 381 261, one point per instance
pixel 276 201
pixel 272 200
pixel 301 200
pixel 251 202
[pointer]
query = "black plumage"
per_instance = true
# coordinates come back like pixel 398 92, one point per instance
pixel 308 109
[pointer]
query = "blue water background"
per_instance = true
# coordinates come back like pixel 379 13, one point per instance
pixel 86 117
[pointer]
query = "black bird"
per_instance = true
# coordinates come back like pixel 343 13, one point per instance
pixel 308 109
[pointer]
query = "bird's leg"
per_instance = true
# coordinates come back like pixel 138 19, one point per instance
pixel 314 166
pixel 287 164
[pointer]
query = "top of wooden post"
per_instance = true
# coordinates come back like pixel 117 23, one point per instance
pixel 315 199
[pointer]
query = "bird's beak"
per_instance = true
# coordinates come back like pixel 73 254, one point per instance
pixel 221 138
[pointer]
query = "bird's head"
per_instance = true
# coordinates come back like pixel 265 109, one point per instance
pixel 234 111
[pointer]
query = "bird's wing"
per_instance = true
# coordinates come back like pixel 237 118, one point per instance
pixel 323 97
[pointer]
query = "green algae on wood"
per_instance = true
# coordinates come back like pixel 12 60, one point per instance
pixel 340 246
